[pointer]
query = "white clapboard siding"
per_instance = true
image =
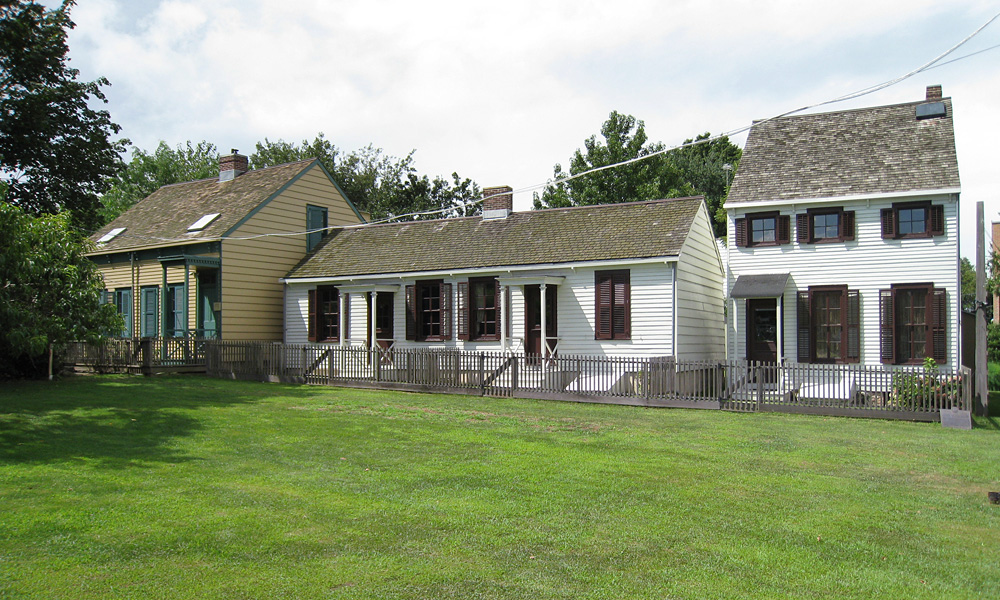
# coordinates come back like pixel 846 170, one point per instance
pixel 701 333
pixel 867 264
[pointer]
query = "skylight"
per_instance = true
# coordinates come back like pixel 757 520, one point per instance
pixel 107 237
pixel 203 222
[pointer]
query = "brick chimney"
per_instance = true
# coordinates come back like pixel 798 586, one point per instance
pixel 233 165
pixel 498 202
pixel 933 93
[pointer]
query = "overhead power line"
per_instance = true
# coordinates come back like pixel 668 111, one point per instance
pixel 932 64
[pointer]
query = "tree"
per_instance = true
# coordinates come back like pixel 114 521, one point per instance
pixel 377 183
pixel 148 172
pixel 50 292
pixel 686 171
pixel 56 152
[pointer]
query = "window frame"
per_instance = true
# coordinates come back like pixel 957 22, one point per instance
pixel 934 224
pixel 416 312
pixel 324 324
pixel 935 324
pixel 805 226
pixel 808 322
pixel 317 217
pixel 471 314
pixel 744 229
pixel 613 305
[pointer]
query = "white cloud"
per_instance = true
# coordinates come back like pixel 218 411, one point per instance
pixel 501 92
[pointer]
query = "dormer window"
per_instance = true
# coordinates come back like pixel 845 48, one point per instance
pixel 203 222
pixel 107 237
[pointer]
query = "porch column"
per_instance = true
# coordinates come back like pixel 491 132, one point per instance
pixel 545 341
pixel 503 318
pixel 781 328
pixel 163 304
pixel 187 298
pixel 372 317
pixel 342 318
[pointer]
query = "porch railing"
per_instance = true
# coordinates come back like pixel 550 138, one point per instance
pixel 913 393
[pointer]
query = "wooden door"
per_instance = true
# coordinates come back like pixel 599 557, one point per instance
pixel 762 329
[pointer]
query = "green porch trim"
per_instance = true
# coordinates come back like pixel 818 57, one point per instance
pixel 157 253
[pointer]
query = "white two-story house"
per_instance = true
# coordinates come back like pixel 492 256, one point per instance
pixel 843 238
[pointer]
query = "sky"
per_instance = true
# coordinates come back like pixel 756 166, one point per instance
pixel 501 92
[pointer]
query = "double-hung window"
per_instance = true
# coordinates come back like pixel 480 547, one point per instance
pixel 325 306
pixel 829 325
pixel 913 324
pixel 479 309
pixel 912 220
pixel 763 229
pixel 613 318
pixel 824 225
pixel 428 311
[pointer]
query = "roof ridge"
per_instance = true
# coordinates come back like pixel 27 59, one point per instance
pixel 519 213
pixel 850 110
pixel 216 177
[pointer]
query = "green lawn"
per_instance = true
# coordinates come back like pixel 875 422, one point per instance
pixel 114 487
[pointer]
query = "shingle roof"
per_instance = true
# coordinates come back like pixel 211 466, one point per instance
pixel 562 235
pixel 166 214
pixel 882 149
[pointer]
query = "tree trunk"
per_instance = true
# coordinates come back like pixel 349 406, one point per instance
pixel 50 361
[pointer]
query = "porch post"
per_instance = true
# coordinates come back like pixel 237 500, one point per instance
pixel 187 297
pixel 545 341
pixel 342 318
pixel 781 328
pixel 503 318
pixel 371 313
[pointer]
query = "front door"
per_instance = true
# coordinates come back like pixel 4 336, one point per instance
pixel 762 329
pixel 383 320
pixel 208 295
pixel 533 317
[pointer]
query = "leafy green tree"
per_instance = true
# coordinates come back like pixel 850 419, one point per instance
pixel 149 171
pixel 686 171
pixel 50 293
pixel 377 183
pixel 56 151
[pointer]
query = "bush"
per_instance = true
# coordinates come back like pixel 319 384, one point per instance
pixel 993 376
pixel 993 343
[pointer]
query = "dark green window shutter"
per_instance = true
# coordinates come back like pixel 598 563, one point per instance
pixel 150 314
pixel 463 309
pixel 887 327
pixel 939 326
pixel 853 353
pixel 316 223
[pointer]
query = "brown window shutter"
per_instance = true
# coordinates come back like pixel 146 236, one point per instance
pixel 887 326
pixel 853 312
pixel 463 310
pixel 622 312
pixel 445 311
pixel 311 318
pixel 345 307
pixel 411 312
pixel 847 225
pixel 804 328
pixel 888 223
pixel 802 228
pixel 784 233
pixel 937 219
pixel 741 233
pixel 497 298
pixel 939 326
pixel 603 292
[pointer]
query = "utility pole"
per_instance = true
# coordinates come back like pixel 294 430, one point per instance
pixel 981 388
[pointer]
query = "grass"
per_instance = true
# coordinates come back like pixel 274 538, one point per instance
pixel 114 487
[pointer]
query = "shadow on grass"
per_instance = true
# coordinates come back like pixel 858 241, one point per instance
pixel 116 421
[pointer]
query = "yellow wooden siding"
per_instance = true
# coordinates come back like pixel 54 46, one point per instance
pixel 251 291
pixel 147 273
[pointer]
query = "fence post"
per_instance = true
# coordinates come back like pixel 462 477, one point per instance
pixel 515 365
pixel 482 373
pixel 146 352
pixel 646 380
pixel 760 386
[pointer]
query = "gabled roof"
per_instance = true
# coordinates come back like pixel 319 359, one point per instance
pixel 877 150
pixel 633 230
pixel 163 217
